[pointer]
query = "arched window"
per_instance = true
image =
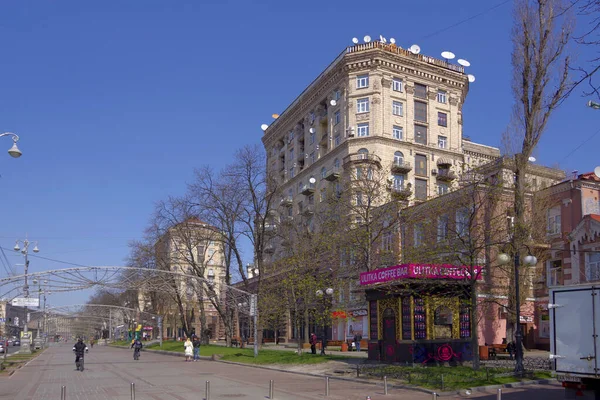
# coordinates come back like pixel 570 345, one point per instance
pixel 364 153
pixel 398 157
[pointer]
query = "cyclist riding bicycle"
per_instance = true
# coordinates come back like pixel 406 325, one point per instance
pixel 79 350
pixel 136 346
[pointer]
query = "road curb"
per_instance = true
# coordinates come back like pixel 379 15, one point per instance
pixel 366 381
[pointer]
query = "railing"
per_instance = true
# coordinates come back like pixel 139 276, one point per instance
pixel 399 166
pixel 362 157
pixel 446 175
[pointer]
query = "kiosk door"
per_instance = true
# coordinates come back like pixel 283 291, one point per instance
pixel 389 335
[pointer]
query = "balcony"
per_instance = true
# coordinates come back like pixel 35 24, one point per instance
pixel 307 190
pixel 401 167
pixel 332 174
pixel 286 202
pixel 362 158
pixel 446 175
pixel 400 192
pixel 308 210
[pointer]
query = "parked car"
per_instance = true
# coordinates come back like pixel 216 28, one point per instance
pixel 16 342
pixel 2 348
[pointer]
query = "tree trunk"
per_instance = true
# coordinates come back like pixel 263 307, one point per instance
pixel 474 332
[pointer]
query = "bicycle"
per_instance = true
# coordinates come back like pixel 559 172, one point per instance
pixel 136 354
pixel 79 363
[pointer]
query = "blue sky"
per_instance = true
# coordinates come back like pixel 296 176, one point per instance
pixel 117 102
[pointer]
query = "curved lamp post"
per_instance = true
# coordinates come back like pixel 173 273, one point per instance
pixel 329 293
pixel 14 150
pixel 25 342
pixel 529 260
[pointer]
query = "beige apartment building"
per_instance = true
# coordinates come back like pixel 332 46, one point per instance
pixel 376 103
pixel 379 105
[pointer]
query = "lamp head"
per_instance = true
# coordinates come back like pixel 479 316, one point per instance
pixel 530 260
pixel 16 248
pixel 319 293
pixel 329 291
pixel 35 249
pixel 503 258
pixel 14 150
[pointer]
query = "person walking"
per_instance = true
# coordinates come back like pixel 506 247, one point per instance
pixel 357 339
pixel 196 344
pixel 313 343
pixel 189 349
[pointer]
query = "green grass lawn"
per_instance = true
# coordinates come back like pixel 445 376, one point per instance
pixel 453 378
pixel 247 355
pixel 121 343
pixel 14 360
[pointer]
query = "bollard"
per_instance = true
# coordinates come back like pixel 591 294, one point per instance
pixel 434 396
pixel 442 382
pixel 63 393
pixel 207 397
pixel 132 391
pixel 327 386
pixel 271 389
pixel 499 395
pixel 385 385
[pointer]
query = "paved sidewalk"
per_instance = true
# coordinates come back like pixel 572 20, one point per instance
pixel 110 371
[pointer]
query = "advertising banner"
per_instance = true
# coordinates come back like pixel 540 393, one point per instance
pixel 423 271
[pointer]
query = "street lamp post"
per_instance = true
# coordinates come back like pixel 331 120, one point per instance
pixel 14 150
pixel 320 293
pixel 529 260
pixel 25 341
pixel 38 340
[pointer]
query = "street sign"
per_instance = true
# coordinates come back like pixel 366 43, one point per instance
pixel 25 302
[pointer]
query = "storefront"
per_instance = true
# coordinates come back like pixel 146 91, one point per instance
pixel 419 313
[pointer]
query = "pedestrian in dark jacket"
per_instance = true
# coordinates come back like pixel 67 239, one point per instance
pixel 313 343
pixel 196 344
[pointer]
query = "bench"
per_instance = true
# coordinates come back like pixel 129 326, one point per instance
pixel 494 350
pixel 235 341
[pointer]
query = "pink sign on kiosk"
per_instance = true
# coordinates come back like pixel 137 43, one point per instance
pixel 427 271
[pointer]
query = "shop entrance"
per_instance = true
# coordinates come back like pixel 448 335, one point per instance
pixel 389 335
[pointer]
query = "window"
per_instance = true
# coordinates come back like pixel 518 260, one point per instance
pixel 420 91
pixel 337 140
pixel 362 105
pixel 397 132
pixel 312 137
pixel 418 235
pixel 420 189
pixel 553 272
pixel 442 142
pixel 364 153
pixel 311 199
pixel 292 154
pixel 443 188
pixel 554 224
pixel 312 157
pixel 442 119
pixel 359 172
pixel 398 182
pixel 421 165
pixel 337 94
pixel 420 111
pixel 363 130
pixel 387 241
pixel 462 221
pixel 290 193
pixel 200 253
pixel 398 157
pixel 359 199
pixel 370 173
pixel 336 163
pixel 442 316
pixel 290 136
pixel 323 172
pixel 441 96
pixel 442 228
pixel 592 267
pixel 420 134
pixel 397 108
pixel 397 85
pixel 337 117
pixel 338 189
pixel 322 195
pixel 292 172
pixel 362 81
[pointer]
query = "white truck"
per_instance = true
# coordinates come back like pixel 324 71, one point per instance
pixel 574 342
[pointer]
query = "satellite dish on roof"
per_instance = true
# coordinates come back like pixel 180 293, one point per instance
pixel 312 130
pixel 597 171
pixel 354 40
pixel 392 40
pixel 367 39
pixel 471 78
pixel 448 55
pixel 264 127
pixel 333 102
pixel 532 159
pixel 463 62
pixel 415 49
pixel 275 116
